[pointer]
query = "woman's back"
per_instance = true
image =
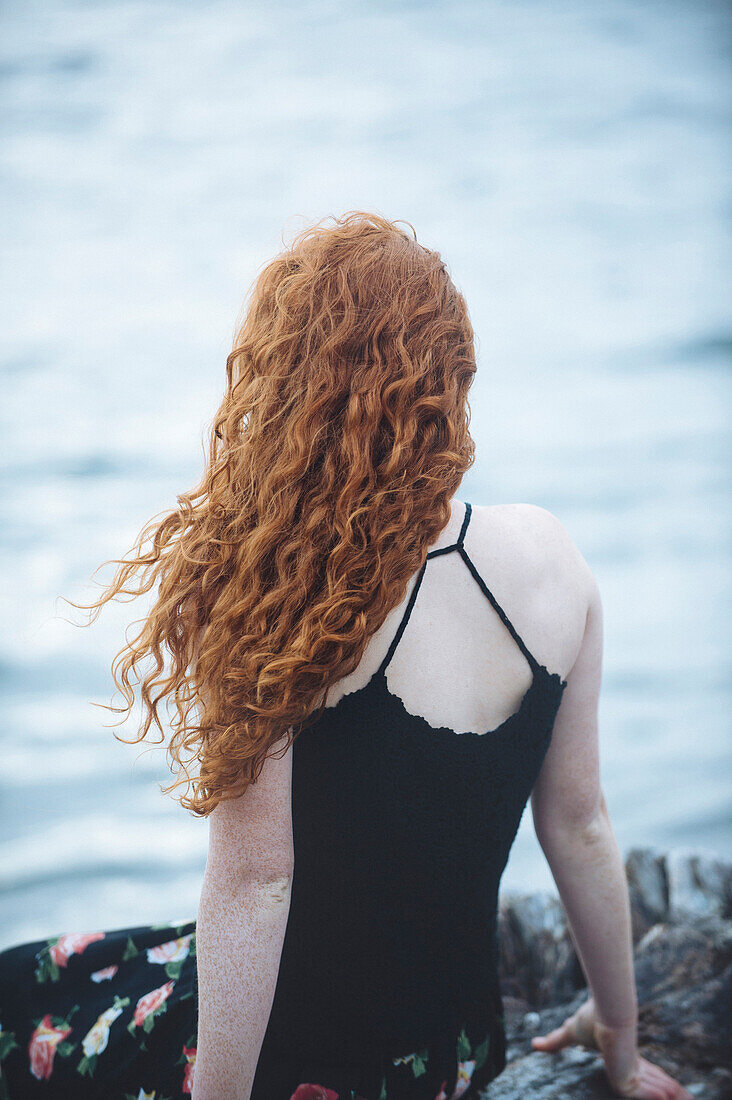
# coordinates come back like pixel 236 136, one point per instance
pixel 407 792
pixel 457 664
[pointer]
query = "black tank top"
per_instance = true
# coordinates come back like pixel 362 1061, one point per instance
pixel 401 834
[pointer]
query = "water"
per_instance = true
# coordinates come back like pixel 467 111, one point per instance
pixel 567 159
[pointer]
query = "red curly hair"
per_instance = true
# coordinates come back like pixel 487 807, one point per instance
pixel 341 438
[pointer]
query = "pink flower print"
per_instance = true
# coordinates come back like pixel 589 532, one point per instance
pixel 313 1092
pixel 151 1002
pixel 105 974
pixel 190 1054
pixel 42 1047
pixel 72 943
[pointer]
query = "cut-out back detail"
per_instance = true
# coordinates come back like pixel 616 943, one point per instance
pixel 378 680
pixel 458 546
pixel 379 676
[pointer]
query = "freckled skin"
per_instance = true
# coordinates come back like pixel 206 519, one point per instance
pixel 242 918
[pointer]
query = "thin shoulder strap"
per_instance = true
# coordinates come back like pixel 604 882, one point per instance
pixel 413 596
pixel 402 625
pixel 460 539
pixel 459 546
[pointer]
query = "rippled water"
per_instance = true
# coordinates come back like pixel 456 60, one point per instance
pixel 567 159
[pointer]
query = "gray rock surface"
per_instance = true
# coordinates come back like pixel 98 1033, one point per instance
pixel 681 904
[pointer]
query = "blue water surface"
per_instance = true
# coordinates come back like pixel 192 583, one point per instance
pixel 566 158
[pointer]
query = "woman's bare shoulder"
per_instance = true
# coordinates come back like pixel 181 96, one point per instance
pixel 541 572
pixel 532 536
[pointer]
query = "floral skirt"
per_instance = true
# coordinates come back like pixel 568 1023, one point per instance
pixel 113 1015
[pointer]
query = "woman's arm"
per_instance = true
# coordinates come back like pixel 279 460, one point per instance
pixel 575 833
pixel 576 836
pixel 242 917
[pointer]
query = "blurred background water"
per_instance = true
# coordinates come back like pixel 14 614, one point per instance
pixel 568 161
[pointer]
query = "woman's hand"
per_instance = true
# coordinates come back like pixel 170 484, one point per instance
pixel 628 1073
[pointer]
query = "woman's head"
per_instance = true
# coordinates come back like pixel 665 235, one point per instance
pixel 340 440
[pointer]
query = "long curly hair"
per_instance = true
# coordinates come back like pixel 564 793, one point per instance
pixel 341 438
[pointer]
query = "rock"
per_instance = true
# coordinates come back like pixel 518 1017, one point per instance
pixel 648 887
pixel 538 960
pixel 672 959
pixel 685 996
pixel 699 885
pixel 681 904
pixel 571 1073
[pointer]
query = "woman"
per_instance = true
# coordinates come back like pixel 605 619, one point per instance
pixel 337 632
